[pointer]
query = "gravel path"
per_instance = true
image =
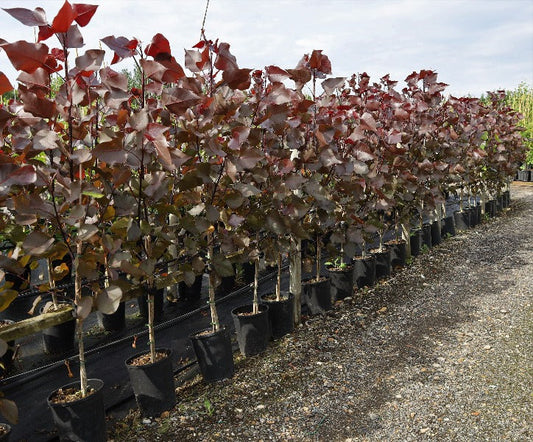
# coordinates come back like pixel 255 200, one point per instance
pixel 442 351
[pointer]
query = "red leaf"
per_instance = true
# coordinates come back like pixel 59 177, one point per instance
pixel 239 136
pixel 59 54
pixel 28 17
pixel 237 78
pixel 5 85
pixel 173 71
pixel 320 62
pixel 64 18
pixel 26 56
pixel 195 60
pixel 122 47
pixel 84 13
pixel 36 105
pixel 52 65
pixel 45 32
pixel 159 45
pixel 116 58
pixel 110 152
pixel 72 38
pixel 331 84
pixel 154 131
pixel 368 122
pixel 22 176
pixel 39 77
pixel 276 74
pixel 113 79
pixel 225 59
pixel 91 60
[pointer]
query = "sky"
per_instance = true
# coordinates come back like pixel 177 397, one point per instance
pixel 474 45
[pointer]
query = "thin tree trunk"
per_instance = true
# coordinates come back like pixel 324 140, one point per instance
pixel 151 332
pixel 150 297
pixel 215 323
pixel 255 309
pixel 278 279
pixel 79 321
pixel 295 270
pixel 318 258
pixel 51 283
pixel 405 236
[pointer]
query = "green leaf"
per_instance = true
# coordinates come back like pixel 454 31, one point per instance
pixel 92 193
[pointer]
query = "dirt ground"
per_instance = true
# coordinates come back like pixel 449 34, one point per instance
pixel 441 351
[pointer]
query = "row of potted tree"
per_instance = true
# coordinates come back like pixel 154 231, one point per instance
pixel 133 189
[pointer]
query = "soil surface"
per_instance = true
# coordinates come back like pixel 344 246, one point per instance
pixel 441 351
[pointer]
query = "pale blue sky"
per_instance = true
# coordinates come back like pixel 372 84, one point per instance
pixel 475 45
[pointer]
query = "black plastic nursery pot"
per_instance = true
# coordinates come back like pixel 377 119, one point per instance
pixel 341 282
pixel 435 233
pixel 214 354
pixel 115 321
pixel 448 227
pixel 60 338
pixel 426 236
pixel 462 219
pixel 524 175
pixel 159 299
pixel 83 419
pixel 317 295
pixel 5 432
pixel 415 239
pixel 383 263
pixel 153 383
pixel 472 216
pixel 193 292
pixel 364 271
pixel 506 199
pixel 253 329
pixel 499 203
pixel 398 253
pixel 490 208
pixel 479 214
pixel 280 313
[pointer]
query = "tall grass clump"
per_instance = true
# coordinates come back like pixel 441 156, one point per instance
pixel 521 100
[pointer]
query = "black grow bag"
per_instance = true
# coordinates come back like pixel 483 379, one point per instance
pixel 253 330
pixel 214 354
pixel 84 419
pixel 280 313
pixel 364 271
pixel 153 384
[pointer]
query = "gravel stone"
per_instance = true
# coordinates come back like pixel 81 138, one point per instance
pixel 441 351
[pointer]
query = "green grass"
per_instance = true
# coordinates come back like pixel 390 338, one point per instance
pixel 521 100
